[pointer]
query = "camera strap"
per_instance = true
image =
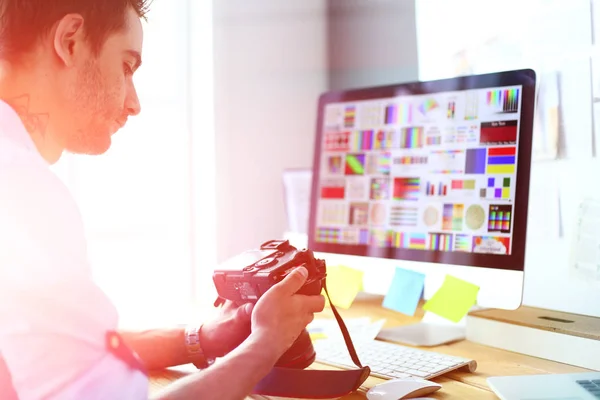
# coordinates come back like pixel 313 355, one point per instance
pixel 316 384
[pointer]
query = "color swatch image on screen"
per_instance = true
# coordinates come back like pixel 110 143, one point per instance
pixel 333 214
pixel 440 241
pixel 471 106
pixel 398 113
pixel 504 100
pixel 452 217
pixel 499 132
pixel 499 219
pixel 379 238
pixel 363 236
pixel 409 240
pixel 428 106
pixel 379 163
pixel 359 213
pixel 403 216
pixel 462 243
pixel 497 188
pixel 447 161
pixel 434 140
pixel 406 160
pixel 334 164
pixel 501 160
pixel 355 164
pixel 362 140
pixel 463 184
pixel 349 116
pixel 491 244
pixel 451 113
pixel 407 188
pixel 369 116
pixel 333 189
pixel 384 139
pixel 411 138
pixel 380 188
pixel 371 140
pixel 436 189
pixel 475 163
pixel 329 235
pixel 337 141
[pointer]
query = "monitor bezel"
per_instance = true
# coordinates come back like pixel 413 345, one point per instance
pixel 516 260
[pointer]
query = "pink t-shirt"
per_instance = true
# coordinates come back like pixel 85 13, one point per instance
pixel 53 317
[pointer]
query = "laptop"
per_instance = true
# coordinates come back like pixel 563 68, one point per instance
pixel 583 386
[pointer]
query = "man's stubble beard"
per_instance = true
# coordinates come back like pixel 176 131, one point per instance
pixel 89 98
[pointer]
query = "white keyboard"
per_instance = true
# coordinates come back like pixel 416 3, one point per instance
pixel 390 360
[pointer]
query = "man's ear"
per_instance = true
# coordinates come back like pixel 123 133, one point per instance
pixel 69 38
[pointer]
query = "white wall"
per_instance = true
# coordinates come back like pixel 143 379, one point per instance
pixel 371 42
pixel 548 36
pixel 270 67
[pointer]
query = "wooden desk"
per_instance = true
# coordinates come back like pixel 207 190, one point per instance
pixel 456 385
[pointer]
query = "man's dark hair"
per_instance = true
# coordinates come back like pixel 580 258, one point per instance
pixel 23 22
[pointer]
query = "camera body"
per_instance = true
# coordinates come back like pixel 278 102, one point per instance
pixel 246 277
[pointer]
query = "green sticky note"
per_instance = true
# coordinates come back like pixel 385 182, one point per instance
pixel 454 299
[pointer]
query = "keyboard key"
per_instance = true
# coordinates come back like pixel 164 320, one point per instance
pixel 418 373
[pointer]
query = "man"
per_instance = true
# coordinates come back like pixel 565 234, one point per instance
pixel 66 70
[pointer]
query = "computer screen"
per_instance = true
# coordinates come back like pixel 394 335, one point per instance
pixel 427 171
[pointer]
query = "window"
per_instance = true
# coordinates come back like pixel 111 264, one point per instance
pixel 142 201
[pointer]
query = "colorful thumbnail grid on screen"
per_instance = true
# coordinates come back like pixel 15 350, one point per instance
pixel 425 172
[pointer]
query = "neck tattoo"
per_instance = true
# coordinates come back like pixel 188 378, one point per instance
pixel 34 122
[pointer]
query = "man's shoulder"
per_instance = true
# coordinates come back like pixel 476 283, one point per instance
pixel 41 228
pixel 26 183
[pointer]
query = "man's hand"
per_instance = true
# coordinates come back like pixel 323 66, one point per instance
pixel 226 331
pixel 280 314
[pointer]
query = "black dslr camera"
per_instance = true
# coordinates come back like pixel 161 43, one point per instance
pixel 246 277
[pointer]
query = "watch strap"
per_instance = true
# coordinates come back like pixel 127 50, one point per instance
pixel 194 348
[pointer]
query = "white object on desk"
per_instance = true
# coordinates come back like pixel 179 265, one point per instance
pixel 297 186
pixel 407 388
pixel 567 338
pixel 582 386
pixel 431 331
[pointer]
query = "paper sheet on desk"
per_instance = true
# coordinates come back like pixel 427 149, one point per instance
pixel 360 329
pixel 585 250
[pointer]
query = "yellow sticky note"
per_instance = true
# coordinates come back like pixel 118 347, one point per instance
pixel 343 284
pixel 454 299
pixel 317 336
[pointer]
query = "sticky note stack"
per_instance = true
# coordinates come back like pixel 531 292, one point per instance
pixel 454 299
pixel 343 284
pixel 405 291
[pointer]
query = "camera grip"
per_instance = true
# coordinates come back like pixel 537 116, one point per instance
pixel 311 289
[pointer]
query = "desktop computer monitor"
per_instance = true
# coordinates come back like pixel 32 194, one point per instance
pixel 430 176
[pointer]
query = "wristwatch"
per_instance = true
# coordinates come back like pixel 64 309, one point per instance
pixel 194 348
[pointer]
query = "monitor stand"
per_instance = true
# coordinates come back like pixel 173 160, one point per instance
pixel 431 331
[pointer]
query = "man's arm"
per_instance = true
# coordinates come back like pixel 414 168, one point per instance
pixel 158 348
pixel 277 319
pixel 163 348
pixel 232 378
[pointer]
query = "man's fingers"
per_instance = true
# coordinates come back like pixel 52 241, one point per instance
pixel 315 303
pixel 294 281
